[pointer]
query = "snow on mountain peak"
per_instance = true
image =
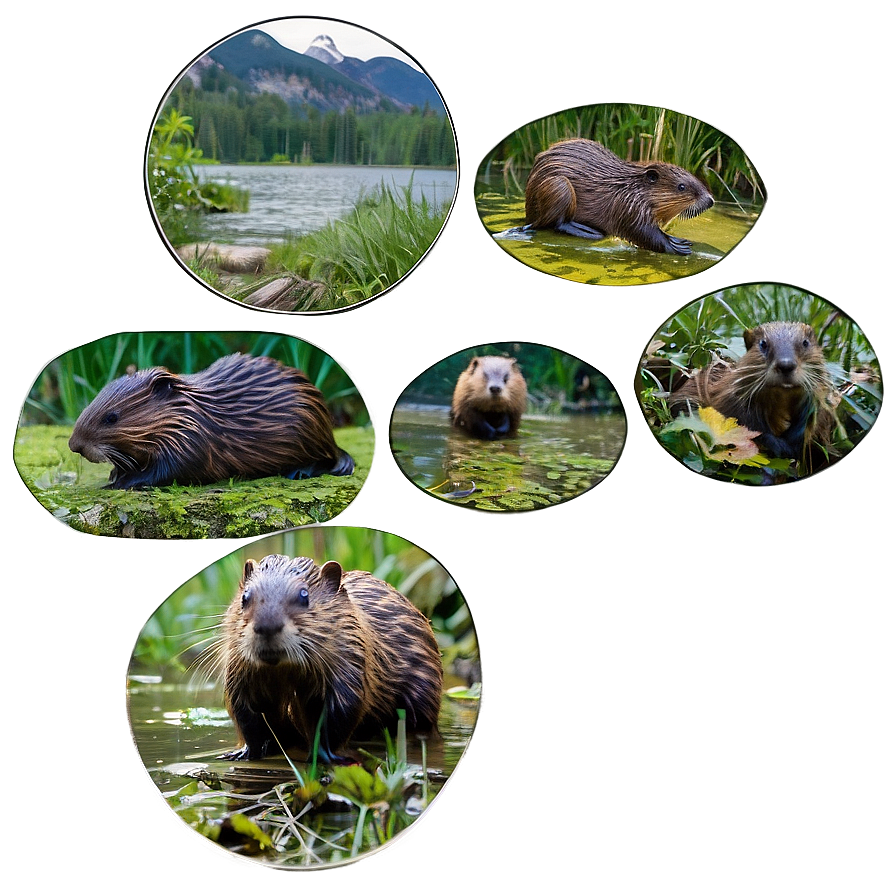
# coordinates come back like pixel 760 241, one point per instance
pixel 323 49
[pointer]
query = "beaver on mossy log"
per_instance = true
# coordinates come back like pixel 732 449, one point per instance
pixel 243 417
pixel 780 388
pixel 303 642
pixel 580 188
pixel 489 398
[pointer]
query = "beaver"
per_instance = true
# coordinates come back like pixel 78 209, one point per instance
pixel 780 388
pixel 489 398
pixel 243 417
pixel 304 642
pixel 581 188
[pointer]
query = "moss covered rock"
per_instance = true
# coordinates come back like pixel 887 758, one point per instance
pixel 73 491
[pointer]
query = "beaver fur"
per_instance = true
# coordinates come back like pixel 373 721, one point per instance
pixel 489 398
pixel 581 188
pixel 243 417
pixel 780 388
pixel 301 641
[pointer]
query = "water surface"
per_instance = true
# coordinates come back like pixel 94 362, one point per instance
pixel 612 261
pixel 298 199
pixel 552 459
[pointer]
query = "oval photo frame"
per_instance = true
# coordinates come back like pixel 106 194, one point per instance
pixel 190 683
pixel 193 435
pixel 618 194
pixel 511 426
pixel 759 384
pixel 286 174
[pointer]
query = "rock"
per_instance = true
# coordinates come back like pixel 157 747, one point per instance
pixel 233 259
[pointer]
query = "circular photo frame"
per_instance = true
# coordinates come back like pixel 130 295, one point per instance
pixel 301 165
pixel 759 384
pixel 303 700
pixel 618 194
pixel 509 426
pixel 194 435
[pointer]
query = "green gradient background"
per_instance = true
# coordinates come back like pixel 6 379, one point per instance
pixel 689 688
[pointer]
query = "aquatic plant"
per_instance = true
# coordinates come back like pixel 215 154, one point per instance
pixel 173 185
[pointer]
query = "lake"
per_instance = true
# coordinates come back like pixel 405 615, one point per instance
pixel 298 199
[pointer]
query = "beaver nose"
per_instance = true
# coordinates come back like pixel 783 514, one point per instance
pixel 75 444
pixel 786 365
pixel 495 390
pixel 267 628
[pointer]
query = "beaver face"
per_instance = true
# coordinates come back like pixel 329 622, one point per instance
pixel 121 425
pixel 782 355
pixel 675 193
pixel 491 376
pixel 283 608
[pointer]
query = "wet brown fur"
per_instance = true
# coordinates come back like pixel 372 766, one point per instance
pixel 779 388
pixel 300 638
pixel 489 397
pixel 580 182
pixel 242 417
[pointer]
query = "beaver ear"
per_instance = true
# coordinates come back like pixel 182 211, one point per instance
pixel 651 175
pixel 750 337
pixel 249 568
pixel 473 364
pixel 331 577
pixel 164 382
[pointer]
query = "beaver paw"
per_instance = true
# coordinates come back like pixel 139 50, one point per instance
pixel 583 230
pixel 679 246
pixel 236 755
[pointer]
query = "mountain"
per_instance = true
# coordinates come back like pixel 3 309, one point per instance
pixel 322 76
pixel 384 74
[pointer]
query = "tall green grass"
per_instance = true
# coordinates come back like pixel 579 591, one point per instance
pixel 71 381
pixel 368 250
pixel 637 133
pixel 184 623
pixel 550 374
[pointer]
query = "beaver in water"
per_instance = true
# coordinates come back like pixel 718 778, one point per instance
pixel 780 388
pixel 303 642
pixel 489 398
pixel 581 188
pixel 243 417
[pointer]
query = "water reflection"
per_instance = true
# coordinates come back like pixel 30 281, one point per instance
pixel 183 723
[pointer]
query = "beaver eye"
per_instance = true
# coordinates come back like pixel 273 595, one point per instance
pixel 303 597
pixel 111 417
pixel 681 188
pixel 805 343
pixel 763 345
pixel 246 598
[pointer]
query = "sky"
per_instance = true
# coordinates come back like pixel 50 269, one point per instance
pixel 351 40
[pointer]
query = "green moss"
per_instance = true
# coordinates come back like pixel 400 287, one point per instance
pixel 72 490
